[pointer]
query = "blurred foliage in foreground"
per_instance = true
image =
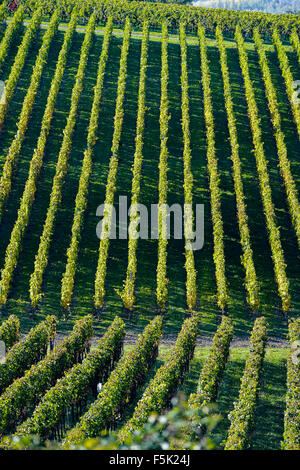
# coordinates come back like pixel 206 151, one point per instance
pixel 180 428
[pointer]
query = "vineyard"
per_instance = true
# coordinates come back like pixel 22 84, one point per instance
pixel 161 104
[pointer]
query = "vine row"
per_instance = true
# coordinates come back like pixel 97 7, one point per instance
pixel 214 179
pixel 10 33
pixel 112 174
pixel 129 283
pixel 27 352
pixel 121 384
pixel 15 244
pixel 10 331
pixel 75 384
pixel 82 194
pixel 284 163
pixel 191 274
pixel 251 283
pixel 19 61
pixel 242 416
pixel 22 125
pixel 287 76
pixel 213 368
pixel 3 12
pixel 295 41
pixel 26 391
pixel 166 380
pixel 161 270
pixel 291 435
pixel 263 176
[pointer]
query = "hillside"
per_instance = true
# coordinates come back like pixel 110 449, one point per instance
pixel 267 6
pixel 100 107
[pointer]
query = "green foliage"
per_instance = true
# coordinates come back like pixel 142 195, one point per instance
pixel 213 368
pixel 191 274
pixel 161 270
pixel 3 11
pixel 112 174
pixel 284 163
pixel 291 436
pixel 242 416
pixel 214 179
pixel 15 244
pixel 166 380
pixel 287 76
pixel 27 352
pixel 17 68
pixel 251 282
pixel 296 43
pixel 10 331
pixel 158 433
pixel 155 13
pixel 86 170
pixel 121 384
pixel 264 180
pixel 23 120
pixel 41 259
pixel 24 392
pixel 74 386
pixel 128 290
pixel 11 30
pixel 167 59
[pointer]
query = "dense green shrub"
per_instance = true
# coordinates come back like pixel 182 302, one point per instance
pixel 10 332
